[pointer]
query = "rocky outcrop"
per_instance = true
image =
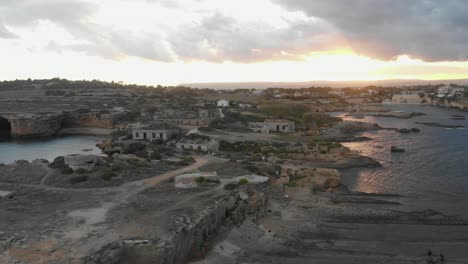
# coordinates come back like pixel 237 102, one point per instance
pixel 396 149
pixel 34 125
pixel 88 118
pixel 191 236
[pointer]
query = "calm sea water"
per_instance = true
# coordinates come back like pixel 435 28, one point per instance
pixel 48 149
pixel 434 166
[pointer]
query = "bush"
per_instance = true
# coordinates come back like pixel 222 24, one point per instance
pixel 107 175
pixel 58 163
pixel 80 171
pixel 116 167
pixel 155 156
pixel 67 170
pixel 134 147
pixel 243 181
pixel 231 186
pixel 78 179
pixel 142 154
pixel 200 180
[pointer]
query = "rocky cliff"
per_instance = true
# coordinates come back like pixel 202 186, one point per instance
pixel 34 125
pixel 87 118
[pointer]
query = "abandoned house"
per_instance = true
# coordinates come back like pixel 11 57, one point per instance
pixel 198 144
pixel 153 132
pixel 223 103
pixel 191 118
pixel 273 125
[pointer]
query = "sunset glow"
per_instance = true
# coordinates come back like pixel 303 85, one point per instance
pixel 167 42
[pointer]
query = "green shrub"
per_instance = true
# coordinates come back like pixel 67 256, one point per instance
pixel 134 147
pixel 116 167
pixel 155 156
pixel 58 163
pixel 200 180
pixel 231 186
pixel 107 175
pixel 243 181
pixel 67 170
pixel 142 154
pixel 78 179
pixel 80 171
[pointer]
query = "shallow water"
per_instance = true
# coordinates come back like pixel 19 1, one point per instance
pixel 434 164
pixel 48 148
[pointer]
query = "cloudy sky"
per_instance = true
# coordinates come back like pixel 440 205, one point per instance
pixel 179 41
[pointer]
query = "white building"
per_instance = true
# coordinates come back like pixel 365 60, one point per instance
pixel 449 92
pixel 153 132
pixel 412 97
pixel 222 103
pixel 337 93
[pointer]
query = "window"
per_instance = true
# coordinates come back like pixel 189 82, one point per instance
pixel 154 135
pixel 137 135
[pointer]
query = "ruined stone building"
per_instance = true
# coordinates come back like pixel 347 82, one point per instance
pixel 273 125
pixel 153 132
pixel 198 144
pixel 202 117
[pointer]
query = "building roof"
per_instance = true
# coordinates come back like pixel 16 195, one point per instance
pixel 277 121
pixel 197 141
pixel 155 126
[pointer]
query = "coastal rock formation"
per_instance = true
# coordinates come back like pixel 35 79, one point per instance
pixel 404 130
pixel 88 118
pixel 33 125
pixel 396 149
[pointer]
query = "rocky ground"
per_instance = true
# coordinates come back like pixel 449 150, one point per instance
pixel 355 228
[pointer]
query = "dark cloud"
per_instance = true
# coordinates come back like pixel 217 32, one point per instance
pixel 73 16
pixel 219 37
pixel 429 29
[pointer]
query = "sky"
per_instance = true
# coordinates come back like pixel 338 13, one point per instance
pixel 171 42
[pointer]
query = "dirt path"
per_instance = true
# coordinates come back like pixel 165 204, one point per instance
pixel 87 231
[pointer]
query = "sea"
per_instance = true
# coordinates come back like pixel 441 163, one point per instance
pixel 432 172
pixel 48 148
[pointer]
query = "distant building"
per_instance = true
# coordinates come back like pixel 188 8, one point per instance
pixel 198 144
pixel 413 97
pixel 273 125
pixel 153 132
pixel 450 92
pixel 223 103
pixel 337 93
pixel 190 118
pixel 242 105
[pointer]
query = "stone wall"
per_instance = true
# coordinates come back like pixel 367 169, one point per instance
pixel 192 236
